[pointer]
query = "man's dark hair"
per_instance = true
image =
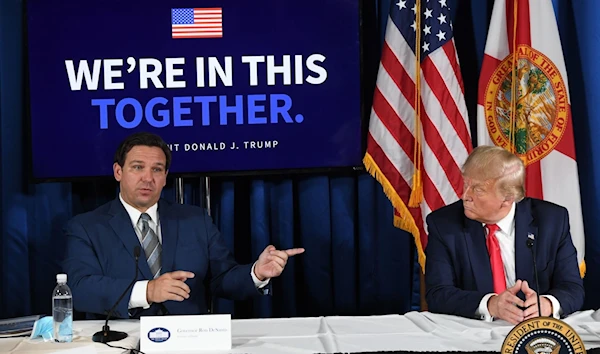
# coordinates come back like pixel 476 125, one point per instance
pixel 142 139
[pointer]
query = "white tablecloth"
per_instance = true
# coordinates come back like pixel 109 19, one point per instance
pixel 415 331
pixel 82 340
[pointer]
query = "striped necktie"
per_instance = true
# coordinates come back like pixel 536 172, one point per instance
pixel 152 247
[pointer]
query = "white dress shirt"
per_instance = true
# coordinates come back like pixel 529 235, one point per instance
pixel 506 239
pixel 138 294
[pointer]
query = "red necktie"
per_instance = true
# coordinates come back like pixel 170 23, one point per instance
pixel 495 259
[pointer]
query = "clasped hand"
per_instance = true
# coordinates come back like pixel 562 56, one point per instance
pixel 507 306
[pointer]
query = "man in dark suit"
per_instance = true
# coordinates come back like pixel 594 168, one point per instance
pixel 479 264
pixel 182 252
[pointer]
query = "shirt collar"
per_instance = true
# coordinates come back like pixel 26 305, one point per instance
pixel 507 223
pixel 135 214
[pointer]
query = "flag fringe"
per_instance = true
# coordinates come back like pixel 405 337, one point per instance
pixel 405 221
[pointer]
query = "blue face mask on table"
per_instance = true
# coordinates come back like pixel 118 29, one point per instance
pixel 44 327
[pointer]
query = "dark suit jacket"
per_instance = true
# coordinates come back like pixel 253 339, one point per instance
pixel 458 272
pixel 100 263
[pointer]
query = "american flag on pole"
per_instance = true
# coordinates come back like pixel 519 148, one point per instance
pixel 527 110
pixel 197 22
pixel 419 134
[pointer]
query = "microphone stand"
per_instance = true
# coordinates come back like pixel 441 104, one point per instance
pixel 106 335
pixel 530 243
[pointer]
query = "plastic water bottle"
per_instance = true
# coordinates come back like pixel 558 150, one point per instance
pixel 62 310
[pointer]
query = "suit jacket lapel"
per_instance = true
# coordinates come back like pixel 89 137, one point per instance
pixel 169 225
pixel 478 254
pixel 121 225
pixel 524 225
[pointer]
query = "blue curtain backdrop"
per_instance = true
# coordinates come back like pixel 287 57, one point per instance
pixel 356 262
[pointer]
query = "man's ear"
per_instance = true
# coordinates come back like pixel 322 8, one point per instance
pixel 117 171
pixel 508 200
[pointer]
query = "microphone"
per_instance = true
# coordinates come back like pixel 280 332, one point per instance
pixel 106 335
pixel 530 242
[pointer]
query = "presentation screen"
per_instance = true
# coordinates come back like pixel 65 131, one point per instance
pixel 231 86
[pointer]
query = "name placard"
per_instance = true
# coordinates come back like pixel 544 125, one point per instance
pixel 185 333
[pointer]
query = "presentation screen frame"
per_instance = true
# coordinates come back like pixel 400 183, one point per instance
pixel 368 62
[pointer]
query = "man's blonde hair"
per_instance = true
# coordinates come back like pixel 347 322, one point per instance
pixel 497 164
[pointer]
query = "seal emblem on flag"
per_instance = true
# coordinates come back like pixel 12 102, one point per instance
pixel 541 105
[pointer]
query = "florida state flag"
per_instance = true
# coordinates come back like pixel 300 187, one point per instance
pixel 524 106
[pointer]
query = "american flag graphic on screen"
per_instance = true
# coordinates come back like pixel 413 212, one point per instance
pixel 197 22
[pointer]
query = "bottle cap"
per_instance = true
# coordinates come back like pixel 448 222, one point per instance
pixel 61 278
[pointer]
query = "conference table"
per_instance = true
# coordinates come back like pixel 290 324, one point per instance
pixel 413 332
